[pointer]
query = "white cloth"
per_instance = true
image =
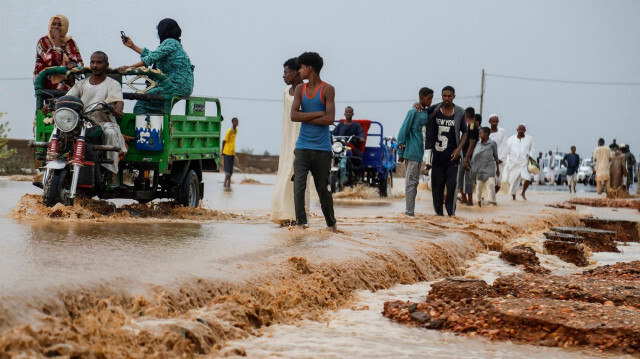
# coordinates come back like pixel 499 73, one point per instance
pixel 282 206
pixel 518 152
pixel 108 91
pixel 500 138
pixel 551 169
pixel 540 175
pixel 490 184
pixel 602 156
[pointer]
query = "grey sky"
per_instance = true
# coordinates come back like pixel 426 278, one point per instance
pixel 373 50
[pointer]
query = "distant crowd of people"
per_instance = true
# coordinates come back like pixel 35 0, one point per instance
pixel 614 167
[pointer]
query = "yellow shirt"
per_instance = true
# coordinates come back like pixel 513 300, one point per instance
pixel 230 142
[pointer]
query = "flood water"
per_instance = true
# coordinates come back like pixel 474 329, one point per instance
pixel 362 332
pixel 42 259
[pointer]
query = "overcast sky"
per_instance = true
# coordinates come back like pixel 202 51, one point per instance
pixel 373 51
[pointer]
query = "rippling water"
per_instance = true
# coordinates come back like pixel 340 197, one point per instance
pixel 361 331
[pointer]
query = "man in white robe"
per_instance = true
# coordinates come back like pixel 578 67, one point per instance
pixel 282 206
pixel 602 159
pixel 551 168
pixel 100 88
pixel 519 149
pixel 499 136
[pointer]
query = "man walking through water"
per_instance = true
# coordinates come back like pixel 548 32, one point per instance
pixel 411 147
pixel 313 106
pixel 602 158
pixel 572 161
pixel 282 206
pixel 444 140
pixel 229 151
pixel 499 136
pixel 519 150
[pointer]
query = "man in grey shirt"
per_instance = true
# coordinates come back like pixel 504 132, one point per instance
pixel 485 165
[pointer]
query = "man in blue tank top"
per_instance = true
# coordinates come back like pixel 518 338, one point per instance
pixel 313 106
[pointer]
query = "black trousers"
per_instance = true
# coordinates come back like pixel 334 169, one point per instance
pixel 441 177
pixel 319 164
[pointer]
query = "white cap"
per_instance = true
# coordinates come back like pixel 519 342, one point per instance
pixel 493 115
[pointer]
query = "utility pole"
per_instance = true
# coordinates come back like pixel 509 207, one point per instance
pixel 481 92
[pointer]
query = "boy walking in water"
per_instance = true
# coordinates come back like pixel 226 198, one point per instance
pixel 313 106
pixel 411 147
pixel 229 151
pixel 486 165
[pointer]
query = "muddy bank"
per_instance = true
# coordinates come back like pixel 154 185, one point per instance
pixel 597 309
pixel 198 315
pixel 30 206
pixel 607 202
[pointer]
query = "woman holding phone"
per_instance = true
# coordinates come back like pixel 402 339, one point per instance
pixel 170 58
pixel 57 49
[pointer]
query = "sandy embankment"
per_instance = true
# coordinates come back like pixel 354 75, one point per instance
pixel 196 316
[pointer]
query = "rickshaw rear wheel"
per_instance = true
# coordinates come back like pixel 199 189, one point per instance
pixel 189 191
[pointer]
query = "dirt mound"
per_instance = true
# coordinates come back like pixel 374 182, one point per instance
pixel 523 256
pixel 520 255
pixel 459 288
pixel 598 310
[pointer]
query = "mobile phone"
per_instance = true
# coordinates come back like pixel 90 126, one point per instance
pixel 123 36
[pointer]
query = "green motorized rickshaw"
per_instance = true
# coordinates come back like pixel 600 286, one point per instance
pixel 166 156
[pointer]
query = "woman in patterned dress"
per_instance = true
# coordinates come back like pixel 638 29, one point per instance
pixel 171 59
pixel 57 49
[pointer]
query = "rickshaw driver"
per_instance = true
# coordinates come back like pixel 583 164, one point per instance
pixel 100 88
pixel 350 128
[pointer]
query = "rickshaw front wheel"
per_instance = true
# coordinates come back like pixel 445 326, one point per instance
pixel 57 188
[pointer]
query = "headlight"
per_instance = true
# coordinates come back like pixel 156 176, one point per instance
pixel 337 147
pixel 66 119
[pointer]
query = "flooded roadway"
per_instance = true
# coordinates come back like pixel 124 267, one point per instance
pixel 45 261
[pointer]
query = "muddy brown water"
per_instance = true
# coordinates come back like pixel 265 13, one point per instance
pixel 185 282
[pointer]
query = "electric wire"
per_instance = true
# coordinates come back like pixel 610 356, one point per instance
pixel 577 82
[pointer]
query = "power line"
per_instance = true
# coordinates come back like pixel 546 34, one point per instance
pixel 537 79
pixel 256 99
pixel 338 101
